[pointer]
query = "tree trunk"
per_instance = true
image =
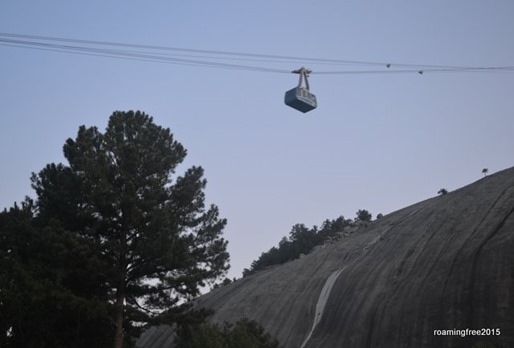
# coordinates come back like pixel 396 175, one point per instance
pixel 121 290
pixel 118 338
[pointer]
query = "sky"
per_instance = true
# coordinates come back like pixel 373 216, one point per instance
pixel 377 141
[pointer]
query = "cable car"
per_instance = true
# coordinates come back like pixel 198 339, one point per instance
pixel 300 98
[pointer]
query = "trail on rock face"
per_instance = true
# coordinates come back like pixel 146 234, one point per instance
pixel 322 301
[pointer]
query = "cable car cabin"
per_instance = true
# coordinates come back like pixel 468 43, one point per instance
pixel 300 99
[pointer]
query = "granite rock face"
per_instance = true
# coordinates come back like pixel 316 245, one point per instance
pixel 444 263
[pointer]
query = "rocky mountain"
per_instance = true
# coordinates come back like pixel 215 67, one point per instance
pixel 443 264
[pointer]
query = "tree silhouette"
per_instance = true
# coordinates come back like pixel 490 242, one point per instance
pixel 154 240
pixel 485 171
pixel 363 215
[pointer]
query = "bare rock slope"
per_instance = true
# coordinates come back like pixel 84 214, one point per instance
pixel 444 263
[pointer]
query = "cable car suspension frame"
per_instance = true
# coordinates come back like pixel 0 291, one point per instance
pixel 300 97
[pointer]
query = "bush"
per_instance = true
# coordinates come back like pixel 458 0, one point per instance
pixel 244 333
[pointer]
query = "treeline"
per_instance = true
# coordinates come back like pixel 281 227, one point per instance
pixel 302 240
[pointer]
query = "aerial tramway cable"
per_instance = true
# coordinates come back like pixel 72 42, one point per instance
pixel 299 97
pixel 221 59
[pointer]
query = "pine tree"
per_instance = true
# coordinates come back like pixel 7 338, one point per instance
pixel 154 240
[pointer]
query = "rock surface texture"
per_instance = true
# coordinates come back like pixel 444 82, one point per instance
pixel 444 263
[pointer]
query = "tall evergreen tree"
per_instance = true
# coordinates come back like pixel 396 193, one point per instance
pixel 154 241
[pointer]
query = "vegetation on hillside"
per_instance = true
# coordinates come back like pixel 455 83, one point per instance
pixel 244 333
pixel 302 240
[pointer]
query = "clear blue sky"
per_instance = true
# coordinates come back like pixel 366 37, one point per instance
pixel 377 141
